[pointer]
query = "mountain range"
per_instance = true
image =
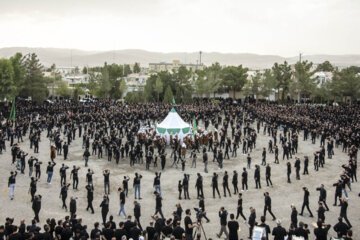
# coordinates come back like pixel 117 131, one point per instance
pixel 75 57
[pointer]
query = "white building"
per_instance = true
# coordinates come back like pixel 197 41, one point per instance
pixel 76 79
pixel 136 79
pixel 323 77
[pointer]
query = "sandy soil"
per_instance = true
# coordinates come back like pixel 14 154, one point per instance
pixel 283 194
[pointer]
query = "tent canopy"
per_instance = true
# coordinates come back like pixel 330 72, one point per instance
pixel 173 125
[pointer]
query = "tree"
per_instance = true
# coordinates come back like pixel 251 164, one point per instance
pixel 253 87
pixel 158 87
pixel 84 70
pixel 325 67
pixel 234 78
pixel 182 77
pixel 7 82
pixel 208 80
pixel 168 96
pixel 282 74
pixel 136 68
pixel 93 83
pixel 149 88
pixel 17 62
pixel 34 85
pixel 63 90
pixel 127 70
pixel 345 83
pixel 305 82
pixel 104 85
pixel 268 83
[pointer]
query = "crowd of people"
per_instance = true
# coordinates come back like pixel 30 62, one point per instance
pixel 110 130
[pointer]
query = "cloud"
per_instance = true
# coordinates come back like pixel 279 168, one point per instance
pixel 257 26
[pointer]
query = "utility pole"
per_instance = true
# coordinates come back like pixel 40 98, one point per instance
pixel 300 54
pixel 200 57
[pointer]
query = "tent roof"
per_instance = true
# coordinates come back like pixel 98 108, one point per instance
pixel 173 120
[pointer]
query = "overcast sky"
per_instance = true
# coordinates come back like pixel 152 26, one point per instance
pixel 279 27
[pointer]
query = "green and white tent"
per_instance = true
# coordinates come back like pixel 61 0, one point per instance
pixel 173 125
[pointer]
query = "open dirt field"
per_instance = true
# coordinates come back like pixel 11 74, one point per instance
pixel 282 194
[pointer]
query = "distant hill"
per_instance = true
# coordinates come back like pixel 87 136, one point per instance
pixel 74 57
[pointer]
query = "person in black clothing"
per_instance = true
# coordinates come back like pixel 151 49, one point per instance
pixel 321 212
pixel 199 186
pixel 263 162
pixel 89 176
pixel 95 232
pixel 235 182
pixel 107 232
pixel 233 226
pixel 158 204
pixel 306 202
pixel 178 231
pixel 66 150
pixel 75 176
pixel 90 197
pixel 50 171
pixel 125 184
pixel 11 183
pixel 306 165
pixel 63 194
pixel 343 211
pixel 185 184
pixel 279 232
pixel 36 206
pixel 322 197
pixel 276 154
pixel 322 230
pixel 120 232
pixel 341 228
pixel 86 156
pixel 136 185
pixel 104 208
pixel 180 187
pixel 31 165
pixel 267 206
pixel 32 188
pixel 294 214
pixel 251 222
pixel 202 207
pixel 244 178
pixel 302 231
pixel 106 174
pixel 63 174
pixel 189 225
pixel 72 206
pixel 226 184
pixel 257 176
pixel 268 175
pixel 240 208
pixel 265 226
pixel 338 191
pixel 288 172
pixel 214 185
pixel 137 213
pixel 297 168
pixel 37 169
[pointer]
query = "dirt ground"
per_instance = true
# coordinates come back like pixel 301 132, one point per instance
pixel 282 194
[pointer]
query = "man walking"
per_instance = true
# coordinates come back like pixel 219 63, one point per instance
pixel 11 183
pixel 306 202
pixel 122 202
pixel 158 204
pixel 223 222
pixel 267 206
pixel 137 213
pixel 157 182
